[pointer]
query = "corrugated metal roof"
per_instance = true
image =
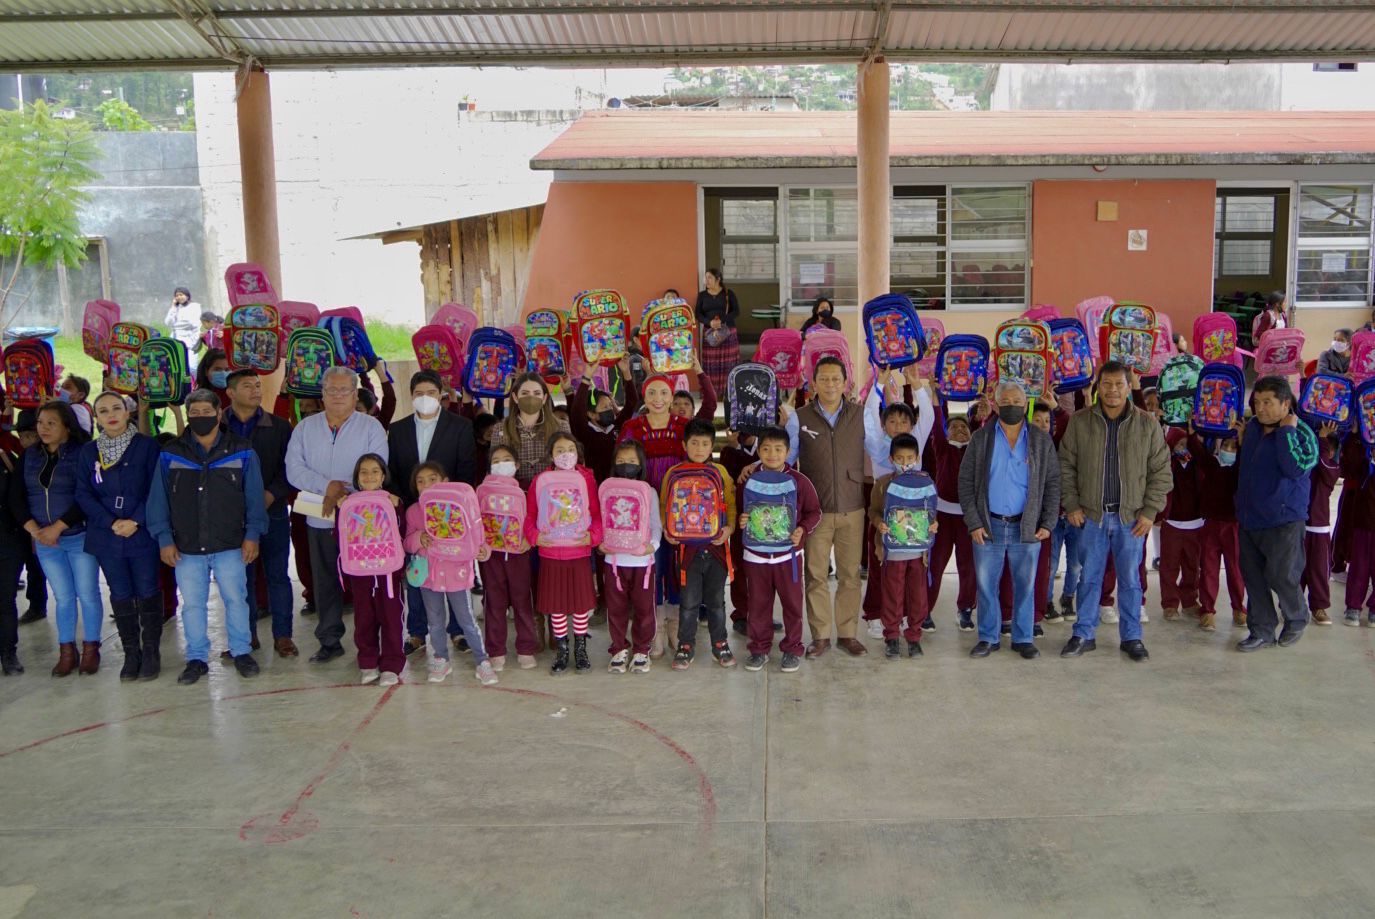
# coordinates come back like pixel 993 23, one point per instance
pixel 88 34
pixel 678 139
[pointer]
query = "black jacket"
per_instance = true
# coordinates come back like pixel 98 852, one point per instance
pixel 269 438
pixel 452 446
pixel 14 507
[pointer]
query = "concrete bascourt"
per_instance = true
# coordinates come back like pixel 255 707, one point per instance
pixel 1203 783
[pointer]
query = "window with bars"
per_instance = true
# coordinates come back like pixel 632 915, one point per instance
pixel 823 234
pixel 1244 235
pixel 918 255
pixel 1334 243
pixel 988 245
pixel 749 239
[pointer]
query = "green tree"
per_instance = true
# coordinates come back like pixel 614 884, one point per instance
pixel 189 122
pixel 44 164
pixel 118 115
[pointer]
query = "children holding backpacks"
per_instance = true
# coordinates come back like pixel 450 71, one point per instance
pixel 506 576
pixel 565 585
pixel 1317 537
pixel 1221 537
pixel 904 569
pixel 376 604
pixel 775 574
pixel 704 565
pixel 628 576
pixel 444 583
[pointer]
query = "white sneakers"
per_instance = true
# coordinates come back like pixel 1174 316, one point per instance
pixel 1107 614
pixel 875 628
pixel 618 662
pixel 389 679
pixel 439 669
pixel 498 662
pixel 526 661
pixel 486 674
pixel 369 676
pixel 639 663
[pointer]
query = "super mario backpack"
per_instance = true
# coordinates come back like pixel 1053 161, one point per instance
pixel 909 509
pixel 351 343
pixel 437 349
pixel 99 318
pixel 492 363
pixel 1279 352
pixel 126 338
pixel 825 343
pixel 1073 356
pixel 1220 400
pixel 164 374
pixel 1128 335
pixel 627 515
pixel 369 537
pixel 1090 313
pixel 30 373
pixel 1215 339
pixel 309 353
pixel 546 332
pixel 770 501
pixel 934 330
pixel 501 501
pixel 451 517
pixel 296 314
pixel 1363 355
pixel 668 335
pixel 781 350
pixel 253 337
pixel 1177 386
pixel 695 506
pixel 1022 355
pixel 601 322
pixel 751 398
pixel 458 317
pixel 1327 398
pixel 893 330
pixel 962 368
pixel 563 513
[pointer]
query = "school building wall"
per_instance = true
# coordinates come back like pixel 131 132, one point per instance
pixel 636 237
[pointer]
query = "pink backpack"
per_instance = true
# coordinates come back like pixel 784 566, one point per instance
pixel 826 343
pixel 501 501
pixel 1362 356
pixel 626 514
pixel 437 348
pixel 1215 339
pixel 935 334
pixel 518 333
pixel 459 318
pixel 451 517
pixel 1279 352
pixel 347 312
pixel 1090 313
pixel 369 537
pixel 293 315
pixel 248 285
pixel 99 320
pixel 1039 313
pixel 1164 344
pixel 781 349
pixel 564 513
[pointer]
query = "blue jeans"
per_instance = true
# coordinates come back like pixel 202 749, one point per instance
pixel 417 619
pixel 132 577
pixel 433 604
pixel 73 575
pixel 193 579
pixel 273 550
pixel 1066 537
pixel 1096 540
pixel 1004 543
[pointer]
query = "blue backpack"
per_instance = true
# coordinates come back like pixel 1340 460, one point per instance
pixel 351 343
pixel 1326 397
pixel 909 509
pixel 893 328
pixel 770 500
pixel 962 367
pixel 1071 355
pixel 1364 401
pixel 494 359
pixel 1220 400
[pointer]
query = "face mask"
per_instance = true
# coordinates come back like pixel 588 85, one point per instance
pixel 566 461
pixel 959 444
pixel 1183 458
pixel 626 470
pixel 1339 346
pixel 219 378
pixel 201 425
pixel 64 396
pixel 530 405
pixel 825 314
pixel 904 468
pixel 1226 459
pixel 1012 414
pixel 606 419
pixel 504 467
pixel 425 405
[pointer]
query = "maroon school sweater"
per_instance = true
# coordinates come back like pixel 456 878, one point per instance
pixel 1323 479
pixel 599 447
pixel 945 461
pixel 1218 484
pixel 1360 500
